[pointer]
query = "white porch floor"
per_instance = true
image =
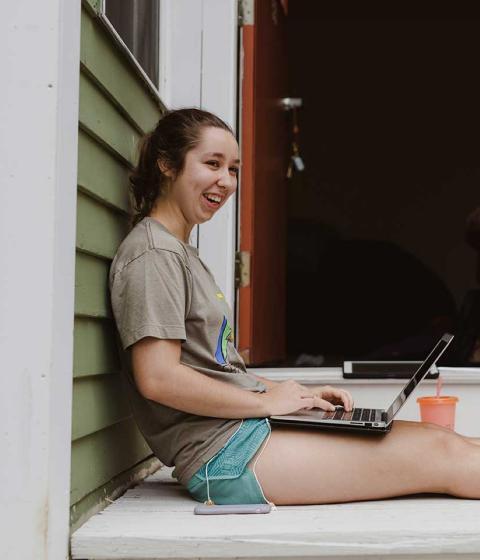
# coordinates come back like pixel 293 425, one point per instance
pixel 156 520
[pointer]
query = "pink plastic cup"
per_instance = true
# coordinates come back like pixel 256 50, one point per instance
pixel 438 410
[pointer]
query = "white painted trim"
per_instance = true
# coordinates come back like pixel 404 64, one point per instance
pixel 164 59
pixel 240 73
pixel 324 375
pixel 137 67
pixel 180 53
pixel 217 241
pixel 247 10
pixel 198 68
pixel 40 50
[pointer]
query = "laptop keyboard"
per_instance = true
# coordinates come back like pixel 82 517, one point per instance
pixel 357 414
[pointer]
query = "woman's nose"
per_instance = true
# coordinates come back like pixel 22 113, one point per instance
pixel 226 179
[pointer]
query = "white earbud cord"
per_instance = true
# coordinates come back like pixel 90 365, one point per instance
pixel 209 501
pixel 274 507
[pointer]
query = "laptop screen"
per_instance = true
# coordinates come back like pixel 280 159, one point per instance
pixel 418 376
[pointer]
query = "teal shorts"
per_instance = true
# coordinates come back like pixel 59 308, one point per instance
pixel 226 478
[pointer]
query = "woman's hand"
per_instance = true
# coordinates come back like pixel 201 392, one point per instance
pixel 289 397
pixel 332 396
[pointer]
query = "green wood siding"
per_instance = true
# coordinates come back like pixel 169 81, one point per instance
pixel 116 108
pixel 91 285
pixel 100 174
pixel 99 337
pixel 98 402
pixel 93 6
pixel 100 229
pixel 106 124
pixel 104 454
pixel 112 73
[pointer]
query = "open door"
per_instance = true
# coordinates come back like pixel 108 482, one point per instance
pixel 264 146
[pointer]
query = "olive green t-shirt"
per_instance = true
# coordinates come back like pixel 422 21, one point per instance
pixel 161 288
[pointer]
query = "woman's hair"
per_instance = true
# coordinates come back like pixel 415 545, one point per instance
pixel 176 133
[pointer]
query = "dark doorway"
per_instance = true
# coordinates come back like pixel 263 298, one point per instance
pixel 377 264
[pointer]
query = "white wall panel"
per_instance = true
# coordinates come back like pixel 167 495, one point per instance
pixel 40 52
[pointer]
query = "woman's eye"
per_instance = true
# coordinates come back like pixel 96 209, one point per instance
pixel 234 170
pixel 213 162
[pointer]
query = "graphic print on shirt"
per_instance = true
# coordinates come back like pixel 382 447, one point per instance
pixel 224 336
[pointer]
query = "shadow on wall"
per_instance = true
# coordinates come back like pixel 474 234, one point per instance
pixel 361 299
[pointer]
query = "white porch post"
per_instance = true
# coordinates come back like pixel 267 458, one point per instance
pixel 198 67
pixel 39 61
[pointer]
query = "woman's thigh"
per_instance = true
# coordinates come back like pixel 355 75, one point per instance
pixel 313 467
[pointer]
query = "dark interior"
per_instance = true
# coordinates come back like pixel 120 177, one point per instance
pixel 378 265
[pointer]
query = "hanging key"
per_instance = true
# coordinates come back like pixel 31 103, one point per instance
pixel 290 168
pixel 296 157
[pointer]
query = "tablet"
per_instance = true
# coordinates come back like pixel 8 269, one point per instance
pixel 384 370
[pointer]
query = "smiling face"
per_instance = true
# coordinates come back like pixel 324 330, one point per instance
pixel 208 178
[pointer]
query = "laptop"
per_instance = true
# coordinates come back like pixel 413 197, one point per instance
pixel 365 419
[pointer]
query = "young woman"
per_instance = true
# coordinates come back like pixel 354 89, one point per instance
pixel 192 397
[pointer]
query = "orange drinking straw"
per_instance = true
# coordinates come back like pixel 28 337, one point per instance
pixel 439 385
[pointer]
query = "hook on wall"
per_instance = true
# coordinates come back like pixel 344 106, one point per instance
pixel 289 103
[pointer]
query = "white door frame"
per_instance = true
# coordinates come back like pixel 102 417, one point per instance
pixel 198 67
pixel 40 53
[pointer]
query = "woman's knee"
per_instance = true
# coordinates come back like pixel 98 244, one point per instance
pixel 437 435
pixel 449 443
pixel 443 440
pixel 442 452
pixel 436 427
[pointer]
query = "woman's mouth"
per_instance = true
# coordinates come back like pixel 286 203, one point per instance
pixel 212 200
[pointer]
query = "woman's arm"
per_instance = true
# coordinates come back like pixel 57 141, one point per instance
pixel 161 377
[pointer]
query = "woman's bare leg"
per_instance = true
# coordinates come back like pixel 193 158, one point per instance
pixel 470 439
pixel 314 467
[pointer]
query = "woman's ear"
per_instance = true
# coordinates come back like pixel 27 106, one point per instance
pixel 164 168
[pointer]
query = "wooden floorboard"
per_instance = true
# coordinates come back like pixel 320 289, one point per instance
pixel 156 520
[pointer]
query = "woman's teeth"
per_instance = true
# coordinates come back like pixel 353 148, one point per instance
pixel 213 198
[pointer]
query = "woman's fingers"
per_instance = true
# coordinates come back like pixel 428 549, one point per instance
pixel 324 405
pixel 339 396
pixel 307 397
pixel 345 398
pixel 323 397
pixel 316 402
